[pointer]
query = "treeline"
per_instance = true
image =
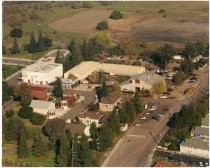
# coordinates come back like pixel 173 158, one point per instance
pixel 181 123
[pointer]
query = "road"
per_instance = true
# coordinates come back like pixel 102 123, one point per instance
pixel 136 147
pixel 15 61
pixel 175 156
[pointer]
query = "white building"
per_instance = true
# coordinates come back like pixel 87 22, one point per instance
pixel 87 118
pixel 41 73
pixel 200 132
pixel 197 58
pixel 86 68
pixel 178 57
pixel 195 147
pixel 141 81
pixel 109 102
pixel 68 83
pixel 45 108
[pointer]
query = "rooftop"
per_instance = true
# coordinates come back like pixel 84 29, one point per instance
pixel 38 88
pixel 205 121
pixel 41 104
pixel 91 115
pixel 196 143
pixel 75 128
pixel 42 67
pixel 201 131
pixel 111 99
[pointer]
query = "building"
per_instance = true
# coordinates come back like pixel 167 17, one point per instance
pixel 141 81
pixel 86 68
pixel 178 57
pixel 38 92
pixel 197 58
pixel 202 132
pixel 68 83
pixel 123 127
pixel 195 147
pixel 42 73
pixel 108 103
pixel 45 108
pixel 88 117
pixel 205 122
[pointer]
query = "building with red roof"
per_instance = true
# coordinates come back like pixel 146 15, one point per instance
pixel 38 92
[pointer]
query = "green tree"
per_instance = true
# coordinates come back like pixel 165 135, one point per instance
pixel 7 92
pixel 15 49
pixel 104 89
pixel 22 148
pixel 4 51
pixel 37 119
pixel 105 137
pixel 116 15
pixel 190 50
pixel 94 134
pixel 25 112
pixel 187 66
pixel 102 25
pixel 90 50
pixel 16 32
pixel 114 122
pixel 32 47
pixel 200 48
pixel 138 105
pixel 124 116
pixel 130 110
pixel 24 93
pixel 103 40
pixel 58 89
pixel 58 57
pixel 84 49
pixel 41 43
pixel 40 146
pixel 159 87
pixel 54 129
pixel 178 78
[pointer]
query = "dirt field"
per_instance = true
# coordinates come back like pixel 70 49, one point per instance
pixel 83 22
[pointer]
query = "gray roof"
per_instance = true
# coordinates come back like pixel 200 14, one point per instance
pixel 142 76
pixel 201 131
pixel 196 143
pixel 40 104
pixel 125 83
pixel 205 121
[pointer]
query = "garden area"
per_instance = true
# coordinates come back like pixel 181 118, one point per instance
pixel 8 70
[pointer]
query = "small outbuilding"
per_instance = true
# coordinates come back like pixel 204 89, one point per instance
pixel 108 103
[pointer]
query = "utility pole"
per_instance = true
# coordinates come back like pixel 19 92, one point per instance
pixel 98 147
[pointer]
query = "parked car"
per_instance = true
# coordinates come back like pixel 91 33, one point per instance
pixel 156 118
pixel 189 91
pixel 147 113
pixel 191 81
pixel 143 118
pixel 160 115
pixel 137 125
pixel 164 97
pixel 201 164
pixel 152 108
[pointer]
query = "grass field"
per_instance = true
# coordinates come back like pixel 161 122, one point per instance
pixel 26 55
pixel 8 70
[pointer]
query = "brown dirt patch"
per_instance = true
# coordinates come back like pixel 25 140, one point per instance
pixel 82 22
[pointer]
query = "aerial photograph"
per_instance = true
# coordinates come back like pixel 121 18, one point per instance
pixel 105 84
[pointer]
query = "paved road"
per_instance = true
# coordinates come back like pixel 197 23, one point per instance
pixel 15 61
pixel 190 160
pixel 135 148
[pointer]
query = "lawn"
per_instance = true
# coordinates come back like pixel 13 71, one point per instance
pixel 26 55
pixel 8 70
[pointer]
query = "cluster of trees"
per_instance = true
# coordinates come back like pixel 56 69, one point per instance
pixel 194 49
pixel 159 87
pixel 67 145
pixel 102 25
pixel 178 78
pixel 58 89
pixel 7 92
pixel 116 15
pixel 85 50
pixel 42 44
pixel 102 137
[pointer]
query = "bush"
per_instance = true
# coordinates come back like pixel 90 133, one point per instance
pixel 116 15
pixel 116 50
pixel 102 25
pixel 37 119
pixel 25 112
pixel 16 33
pixel 162 11
pixel 9 113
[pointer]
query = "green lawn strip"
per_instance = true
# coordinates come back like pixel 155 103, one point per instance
pixel 9 70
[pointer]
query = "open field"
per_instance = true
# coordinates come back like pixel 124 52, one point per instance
pixel 8 70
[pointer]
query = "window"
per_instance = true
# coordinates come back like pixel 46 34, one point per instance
pixel 137 81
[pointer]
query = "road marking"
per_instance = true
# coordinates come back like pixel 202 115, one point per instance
pixel 137 136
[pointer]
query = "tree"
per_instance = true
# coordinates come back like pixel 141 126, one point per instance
pixel 9 113
pixel 190 50
pixel 187 66
pixel 130 110
pixel 58 58
pixel 103 40
pixel 25 112
pixel 200 48
pixel 4 50
pixel 159 87
pixel 104 89
pixel 138 105
pixel 22 148
pixel 124 117
pixel 116 15
pixel 13 127
pixel 114 122
pixel 94 134
pixel 58 89
pixel 24 93
pixel 32 47
pixel 116 50
pixel 40 146
pixel 54 129
pixel 91 50
pixel 16 32
pixel 37 119
pixel 15 49
pixel 128 46
pixel 7 92
pixel 41 43
pixel 178 78
pixel 47 41
pixel 102 25
pixel 84 49
pixel 105 137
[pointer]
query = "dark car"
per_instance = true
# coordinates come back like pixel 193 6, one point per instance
pixel 157 118
pixel 191 81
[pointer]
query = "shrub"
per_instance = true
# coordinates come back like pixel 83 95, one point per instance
pixel 102 25
pixel 162 11
pixel 37 119
pixel 16 33
pixel 9 113
pixel 116 15
pixel 25 112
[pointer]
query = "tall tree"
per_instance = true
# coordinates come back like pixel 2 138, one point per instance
pixel 190 50
pixel 114 122
pixel 201 49
pixel 159 87
pixel 7 92
pixel 124 117
pixel 84 49
pixel 178 78
pixel 58 56
pixel 4 50
pixel 58 89
pixel 39 146
pixel 15 49
pixel 90 50
pixel 130 110
pixel 187 66
pixel 94 136
pixel 32 47
pixel 138 105
pixel 105 138
pixel 22 148
pixel 41 43
pixel 104 89
pixel 25 112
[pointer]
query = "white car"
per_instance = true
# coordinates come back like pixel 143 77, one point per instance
pixel 147 113
pixel 164 97
pixel 152 108
pixel 143 118
pixel 137 125
pixel 160 115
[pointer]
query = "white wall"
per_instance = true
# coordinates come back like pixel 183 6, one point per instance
pixel 195 152
pixel 88 121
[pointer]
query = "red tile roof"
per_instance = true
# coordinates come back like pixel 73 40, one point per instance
pixel 38 88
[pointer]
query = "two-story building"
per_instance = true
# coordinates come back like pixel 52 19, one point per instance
pixel 108 103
